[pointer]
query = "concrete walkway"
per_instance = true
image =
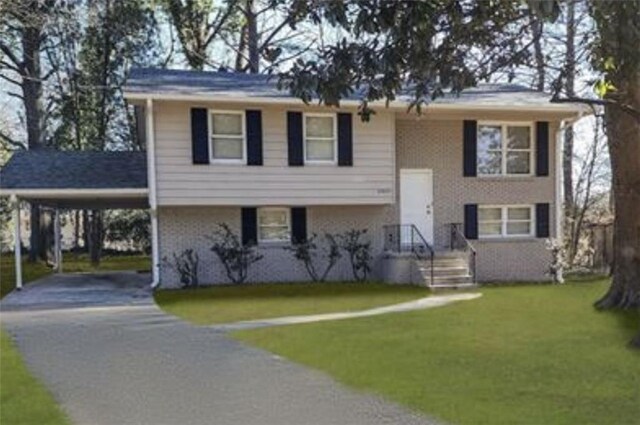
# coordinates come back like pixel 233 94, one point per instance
pixel 132 364
pixel 420 304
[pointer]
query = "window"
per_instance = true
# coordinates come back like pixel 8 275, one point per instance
pixel 320 138
pixel 227 136
pixel 505 149
pixel 274 225
pixel 505 221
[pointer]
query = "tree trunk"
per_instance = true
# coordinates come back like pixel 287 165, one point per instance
pixel 536 29
pixel 623 130
pixel 85 230
pixel 31 86
pixel 95 237
pixel 617 24
pixel 242 47
pixel 76 230
pixel 252 38
pixel 569 87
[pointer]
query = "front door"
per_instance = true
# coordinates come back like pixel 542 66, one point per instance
pixel 416 202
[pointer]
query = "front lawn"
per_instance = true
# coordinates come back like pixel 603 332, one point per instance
pixel 518 355
pixel 71 263
pixel 225 304
pixel 23 400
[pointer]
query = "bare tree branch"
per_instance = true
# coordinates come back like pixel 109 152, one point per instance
pixel 14 143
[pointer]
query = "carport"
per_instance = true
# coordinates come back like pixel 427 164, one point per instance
pixel 76 180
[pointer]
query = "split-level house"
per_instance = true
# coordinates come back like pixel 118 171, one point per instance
pixel 479 172
pixel 469 190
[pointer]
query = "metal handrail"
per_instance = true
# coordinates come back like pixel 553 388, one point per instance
pixel 458 240
pixel 417 245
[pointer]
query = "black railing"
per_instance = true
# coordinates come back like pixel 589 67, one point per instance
pixel 458 242
pixel 407 238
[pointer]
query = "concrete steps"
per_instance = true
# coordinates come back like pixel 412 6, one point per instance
pixel 450 271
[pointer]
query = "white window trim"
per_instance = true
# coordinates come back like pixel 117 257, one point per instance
pixel 242 160
pixel 503 149
pixel 504 220
pixel 258 226
pixel 333 116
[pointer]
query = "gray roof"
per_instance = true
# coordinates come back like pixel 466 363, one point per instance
pixel 48 169
pixel 238 85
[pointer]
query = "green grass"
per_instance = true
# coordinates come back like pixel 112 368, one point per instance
pixel 23 400
pixel 518 355
pixel 30 272
pixel 226 304
pixel 70 263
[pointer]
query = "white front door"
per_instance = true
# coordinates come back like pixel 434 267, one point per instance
pixel 416 202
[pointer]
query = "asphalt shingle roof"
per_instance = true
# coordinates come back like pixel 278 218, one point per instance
pixel 232 85
pixel 47 169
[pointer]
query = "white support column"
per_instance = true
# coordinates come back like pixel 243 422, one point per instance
pixel 153 203
pixel 57 242
pixel 17 242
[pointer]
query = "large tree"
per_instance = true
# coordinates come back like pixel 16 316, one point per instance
pixel 23 29
pixel 617 55
pixel 425 47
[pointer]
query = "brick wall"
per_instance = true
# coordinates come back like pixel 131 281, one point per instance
pixel 187 227
pixel 437 144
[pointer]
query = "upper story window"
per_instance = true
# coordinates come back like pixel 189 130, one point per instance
pixel 505 149
pixel 274 225
pixel 227 136
pixel 320 138
pixel 505 221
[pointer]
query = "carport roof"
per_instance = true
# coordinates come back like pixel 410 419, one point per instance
pixel 47 169
pixel 77 179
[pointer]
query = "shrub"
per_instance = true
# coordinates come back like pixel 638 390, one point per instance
pixel 557 263
pixel 359 252
pixel 186 265
pixel 308 252
pixel 235 257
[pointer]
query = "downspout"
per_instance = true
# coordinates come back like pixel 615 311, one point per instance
pixel 153 200
pixel 17 250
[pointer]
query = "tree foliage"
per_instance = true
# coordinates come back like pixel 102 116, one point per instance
pixel 417 49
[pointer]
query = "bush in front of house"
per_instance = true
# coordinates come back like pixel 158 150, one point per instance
pixel 310 253
pixel 235 257
pixel 358 251
pixel 186 265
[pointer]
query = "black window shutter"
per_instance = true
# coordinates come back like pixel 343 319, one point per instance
pixel 542 220
pixel 249 226
pixel 294 137
pixel 470 157
pixel 298 224
pixel 199 136
pixel 345 139
pixel 542 148
pixel 471 221
pixel 254 137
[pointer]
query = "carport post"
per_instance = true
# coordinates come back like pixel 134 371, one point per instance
pixel 153 203
pixel 17 250
pixel 57 243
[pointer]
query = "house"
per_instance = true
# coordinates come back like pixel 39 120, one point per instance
pixel 470 189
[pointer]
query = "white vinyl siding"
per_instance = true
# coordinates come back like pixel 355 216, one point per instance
pixel 504 221
pixel 370 181
pixel 505 149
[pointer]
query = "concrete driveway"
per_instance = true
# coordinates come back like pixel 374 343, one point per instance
pixel 125 362
pixel 67 290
